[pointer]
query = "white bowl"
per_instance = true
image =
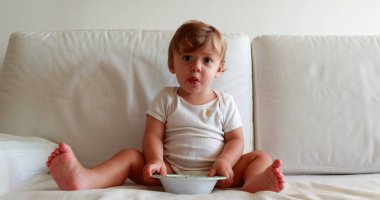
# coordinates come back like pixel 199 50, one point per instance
pixel 188 184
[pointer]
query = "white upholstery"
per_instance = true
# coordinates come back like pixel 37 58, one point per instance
pixel 91 89
pixel 316 106
pixel 22 158
pixel 317 102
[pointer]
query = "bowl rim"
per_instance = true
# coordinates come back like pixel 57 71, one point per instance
pixel 188 177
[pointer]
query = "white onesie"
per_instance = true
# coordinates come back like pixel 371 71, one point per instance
pixel 194 134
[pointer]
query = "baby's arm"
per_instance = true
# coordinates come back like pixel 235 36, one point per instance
pixel 231 153
pixel 153 147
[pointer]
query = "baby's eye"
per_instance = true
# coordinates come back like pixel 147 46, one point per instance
pixel 208 60
pixel 186 58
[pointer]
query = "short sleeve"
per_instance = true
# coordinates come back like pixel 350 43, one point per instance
pixel 158 109
pixel 232 119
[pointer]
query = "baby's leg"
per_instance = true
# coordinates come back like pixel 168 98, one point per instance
pixel 69 174
pixel 256 171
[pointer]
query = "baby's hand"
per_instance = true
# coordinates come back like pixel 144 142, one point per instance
pixel 154 167
pixel 222 168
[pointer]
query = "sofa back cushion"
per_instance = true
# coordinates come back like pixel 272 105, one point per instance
pixel 91 88
pixel 317 102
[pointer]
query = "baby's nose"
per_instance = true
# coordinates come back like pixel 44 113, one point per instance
pixel 197 67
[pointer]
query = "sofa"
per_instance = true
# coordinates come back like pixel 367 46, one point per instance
pixel 312 101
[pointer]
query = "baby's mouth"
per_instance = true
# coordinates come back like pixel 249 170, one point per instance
pixel 194 80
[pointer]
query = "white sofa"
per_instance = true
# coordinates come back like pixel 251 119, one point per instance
pixel 312 101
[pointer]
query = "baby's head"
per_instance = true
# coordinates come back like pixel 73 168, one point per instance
pixel 193 35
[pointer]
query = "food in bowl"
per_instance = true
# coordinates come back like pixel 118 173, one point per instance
pixel 188 184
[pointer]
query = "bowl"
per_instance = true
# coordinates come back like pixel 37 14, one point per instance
pixel 188 184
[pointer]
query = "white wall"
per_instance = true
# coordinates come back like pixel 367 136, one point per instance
pixel 254 17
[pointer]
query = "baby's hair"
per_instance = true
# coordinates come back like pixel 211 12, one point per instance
pixel 194 34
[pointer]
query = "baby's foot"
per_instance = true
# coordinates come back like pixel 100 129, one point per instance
pixel 65 169
pixel 272 179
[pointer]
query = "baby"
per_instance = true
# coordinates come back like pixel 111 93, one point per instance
pixel 190 129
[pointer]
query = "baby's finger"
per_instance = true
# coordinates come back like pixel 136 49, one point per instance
pixel 224 172
pixel 163 171
pixel 152 169
pixel 149 171
pixel 212 172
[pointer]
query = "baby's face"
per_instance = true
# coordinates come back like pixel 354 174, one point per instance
pixel 196 70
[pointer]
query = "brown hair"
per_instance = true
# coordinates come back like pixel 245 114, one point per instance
pixel 194 34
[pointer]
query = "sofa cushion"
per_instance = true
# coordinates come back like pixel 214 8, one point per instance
pixel 91 88
pixel 317 102
pixel 21 158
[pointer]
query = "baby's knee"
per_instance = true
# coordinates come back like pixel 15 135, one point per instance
pixel 258 155
pixel 130 153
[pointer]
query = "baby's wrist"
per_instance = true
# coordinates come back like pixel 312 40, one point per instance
pixel 223 161
pixel 155 161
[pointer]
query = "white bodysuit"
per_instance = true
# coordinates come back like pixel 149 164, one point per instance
pixel 194 134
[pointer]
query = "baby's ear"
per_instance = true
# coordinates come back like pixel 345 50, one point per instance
pixel 171 66
pixel 171 69
pixel 220 70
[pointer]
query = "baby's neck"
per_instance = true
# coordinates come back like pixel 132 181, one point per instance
pixel 198 98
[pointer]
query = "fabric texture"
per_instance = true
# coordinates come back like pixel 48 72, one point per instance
pixel 22 158
pixel 332 187
pixel 194 134
pixel 317 102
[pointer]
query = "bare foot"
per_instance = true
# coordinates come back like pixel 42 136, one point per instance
pixel 271 179
pixel 66 170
